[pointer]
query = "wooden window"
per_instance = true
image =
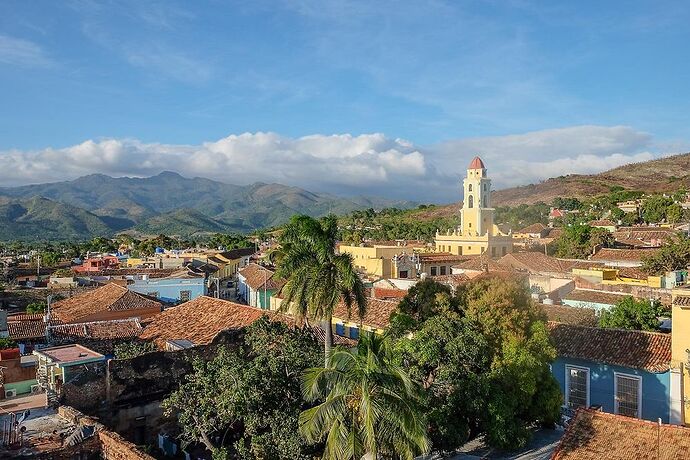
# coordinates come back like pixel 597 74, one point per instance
pixel 628 394
pixel 576 387
pixel 443 270
pixel 185 296
pixel 433 271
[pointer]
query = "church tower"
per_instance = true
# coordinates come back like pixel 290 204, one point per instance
pixel 477 233
pixel 477 215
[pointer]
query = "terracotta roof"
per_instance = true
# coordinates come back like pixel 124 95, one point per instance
pixel 476 163
pixel 534 228
pixel 535 262
pixel 442 257
pixel 650 351
pixel 632 272
pixel 451 280
pixel 99 330
pixel 237 253
pixel 570 315
pixel 554 232
pixel 584 295
pixel 556 213
pixel 25 317
pixel 628 255
pixel 385 293
pixel 602 223
pixel 482 263
pixel 682 300
pixel 377 315
pixel 26 329
pixel 595 435
pixel 256 276
pixel 337 339
pixel 152 272
pixel 199 321
pixel 110 297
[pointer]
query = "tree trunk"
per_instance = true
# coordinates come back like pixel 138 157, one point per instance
pixel 328 342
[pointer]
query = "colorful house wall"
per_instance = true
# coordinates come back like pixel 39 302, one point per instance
pixel 655 389
pixel 170 290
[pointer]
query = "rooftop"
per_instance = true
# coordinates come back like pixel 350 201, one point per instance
pixel 594 435
pixel 100 330
pixel 650 351
pixel 198 321
pixel 377 315
pixel 257 276
pixel 534 228
pixel 67 354
pixel 570 315
pixel 442 257
pixel 535 262
pixel 600 297
pixel 476 163
pixel 627 255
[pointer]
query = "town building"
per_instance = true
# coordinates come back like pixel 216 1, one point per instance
pixel 624 372
pixel 532 232
pixel 257 284
pixel 231 262
pixel 622 257
pixel 477 233
pixel 594 435
pixel 597 300
pixel 385 259
pixel 181 286
pixel 17 373
pixel 680 375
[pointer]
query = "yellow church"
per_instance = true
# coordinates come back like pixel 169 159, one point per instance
pixel 477 233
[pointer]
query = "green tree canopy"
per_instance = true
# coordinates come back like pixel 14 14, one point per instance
pixel 368 405
pixel 674 254
pixel 36 307
pixel 579 240
pixel 483 358
pixel 249 396
pixel 633 314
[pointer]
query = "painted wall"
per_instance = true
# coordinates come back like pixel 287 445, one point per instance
pixel 656 388
pixel 22 387
pixel 169 289
pixel 583 304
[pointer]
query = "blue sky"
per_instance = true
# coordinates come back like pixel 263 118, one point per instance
pixel 348 97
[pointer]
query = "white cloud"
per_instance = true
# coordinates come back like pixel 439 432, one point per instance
pixel 343 163
pixel 19 52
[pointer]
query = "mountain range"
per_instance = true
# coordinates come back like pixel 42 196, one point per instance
pixel 166 203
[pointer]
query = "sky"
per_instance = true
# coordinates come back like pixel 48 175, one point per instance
pixel 388 98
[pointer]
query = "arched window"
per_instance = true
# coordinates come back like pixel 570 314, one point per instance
pixel 469 188
pixel 470 203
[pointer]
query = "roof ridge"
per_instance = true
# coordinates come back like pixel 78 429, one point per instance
pixel 662 334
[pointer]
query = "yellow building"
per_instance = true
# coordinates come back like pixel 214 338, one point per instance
pixel 680 354
pixel 477 233
pixel 377 259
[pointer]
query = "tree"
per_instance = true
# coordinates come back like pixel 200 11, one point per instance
pixel 6 343
pixel 36 307
pixel 674 213
pixel 640 315
pixel 674 254
pixel 422 301
pixel 249 396
pixel 317 278
pixel 579 240
pixel 483 359
pixel 655 207
pixel 129 350
pixel 370 405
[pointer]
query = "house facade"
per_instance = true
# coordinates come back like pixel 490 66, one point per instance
pixel 621 371
pixel 179 287
pixel 257 285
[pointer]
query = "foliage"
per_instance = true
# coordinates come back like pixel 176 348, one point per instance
pixel 230 241
pixel 674 254
pixel 6 343
pixel 522 215
pixel 655 208
pixel 317 278
pixel 633 314
pixel 483 358
pixel 129 350
pixel 579 240
pixel 249 395
pixel 422 301
pixel 36 307
pixel 569 204
pixel 370 405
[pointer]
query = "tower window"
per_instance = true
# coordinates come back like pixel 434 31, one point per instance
pixel 469 188
pixel 470 202
pixel 485 187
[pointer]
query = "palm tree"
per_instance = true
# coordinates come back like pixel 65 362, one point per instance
pixel 317 278
pixel 370 406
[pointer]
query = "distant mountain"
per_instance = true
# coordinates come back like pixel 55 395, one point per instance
pixel 167 203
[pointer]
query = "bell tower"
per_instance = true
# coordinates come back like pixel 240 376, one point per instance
pixel 476 214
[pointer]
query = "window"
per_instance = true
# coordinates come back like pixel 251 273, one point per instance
pixel 576 387
pixel 469 188
pixel 443 270
pixel 433 271
pixel 403 274
pixel 185 296
pixel 354 333
pixel 470 202
pixel 628 394
pixel 152 294
pixel 485 187
pixel 340 329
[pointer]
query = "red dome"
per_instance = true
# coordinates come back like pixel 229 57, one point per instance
pixel 477 163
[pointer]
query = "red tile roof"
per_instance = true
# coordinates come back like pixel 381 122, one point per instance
pixel 626 255
pixel 19 330
pixel 650 351
pixel 476 163
pixel 256 276
pixel 108 298
pixel 199 321
pixel 584 295
pixel 386 293
pixel 452 280
pixel 682 301
pixel 377 315
pixel 482 263
pixel 570 315
pixel 534 228
pixel 100 330
pixel 429 257
pixel 535 262
pixel 596 435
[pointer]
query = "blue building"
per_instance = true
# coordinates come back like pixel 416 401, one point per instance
pixel 178 287
pixel 624 372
